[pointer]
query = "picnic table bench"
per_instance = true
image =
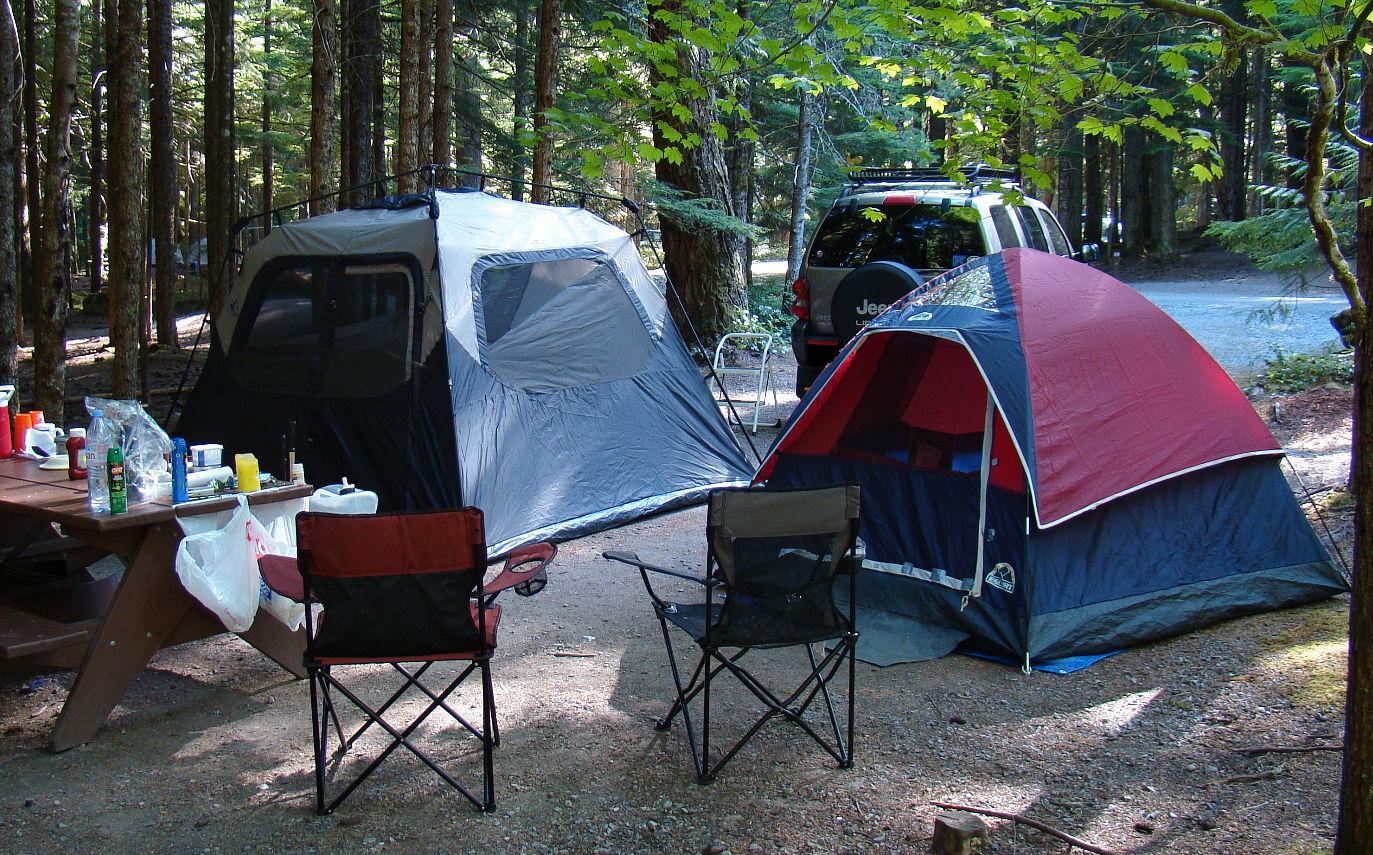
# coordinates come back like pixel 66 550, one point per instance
pixel 109 629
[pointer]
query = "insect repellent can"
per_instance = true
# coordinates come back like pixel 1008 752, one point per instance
pixel 119 487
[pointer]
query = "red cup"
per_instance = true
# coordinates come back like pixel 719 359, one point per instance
pixel 22 423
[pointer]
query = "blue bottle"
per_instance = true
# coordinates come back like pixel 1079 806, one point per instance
pixel 179 491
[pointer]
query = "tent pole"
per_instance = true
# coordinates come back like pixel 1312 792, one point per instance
pixel 988 423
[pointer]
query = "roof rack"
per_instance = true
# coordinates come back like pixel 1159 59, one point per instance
pixel 975 174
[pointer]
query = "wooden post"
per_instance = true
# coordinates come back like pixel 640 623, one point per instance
pixel 957 834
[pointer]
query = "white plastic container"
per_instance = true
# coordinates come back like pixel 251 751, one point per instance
pixel 207 456
pixel 334 500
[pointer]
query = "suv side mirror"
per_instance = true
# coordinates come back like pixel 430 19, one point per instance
pixel 1090 252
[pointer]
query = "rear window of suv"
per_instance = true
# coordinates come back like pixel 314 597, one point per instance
pixel 922 237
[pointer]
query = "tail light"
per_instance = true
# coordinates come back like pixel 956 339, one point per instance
pixel 800 300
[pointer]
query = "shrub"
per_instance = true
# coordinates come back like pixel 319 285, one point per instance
pixel 1296 372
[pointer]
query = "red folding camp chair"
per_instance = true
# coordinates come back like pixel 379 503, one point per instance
pixel 400 588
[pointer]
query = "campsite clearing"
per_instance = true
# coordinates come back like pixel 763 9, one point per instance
pixel 1139 753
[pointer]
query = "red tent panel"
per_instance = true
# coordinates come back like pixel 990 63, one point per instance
pixel 1120 394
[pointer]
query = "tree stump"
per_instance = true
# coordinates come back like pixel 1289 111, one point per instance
pixel 958 834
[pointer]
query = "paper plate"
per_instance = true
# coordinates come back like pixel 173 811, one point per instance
pixel 53 463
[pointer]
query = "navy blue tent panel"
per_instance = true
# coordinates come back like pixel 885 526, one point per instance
pixel 1218 543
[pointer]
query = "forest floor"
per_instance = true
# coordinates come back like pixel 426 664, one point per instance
pixel 1141 753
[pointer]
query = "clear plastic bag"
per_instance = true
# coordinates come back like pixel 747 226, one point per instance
pixel 146 446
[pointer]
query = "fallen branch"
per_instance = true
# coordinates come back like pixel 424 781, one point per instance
pixel 1256 750
pixel 1269 775
pixel 573 654
pixel 1032 823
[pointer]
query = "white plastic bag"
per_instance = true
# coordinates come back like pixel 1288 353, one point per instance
pixel 272 539
pixel 217 564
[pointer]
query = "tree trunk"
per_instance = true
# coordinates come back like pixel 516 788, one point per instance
pixel 95 224
pixel 51 272
pixel 545 91
pixel 379 185
pixel 800 184
pixel 221 202
pixel 443 86
pixel 702 261
pixel 1262 138
pixel 1091 180
pixel 268 94
pixel 1233 104
pixel 1162 199
pixel 163 169
pixel 127 246
pixel 408 121
pixel 739 158
pixel 469 105
pixel 426 98
pixel 9 162
pixel 32 175
pixel 1068 198
pixel 21 235
pixel 1356 786
pixel 1133 193
pixel 363 66
pixel 324 40
pixel 519 152
pixel 1296 104
pixel 344 35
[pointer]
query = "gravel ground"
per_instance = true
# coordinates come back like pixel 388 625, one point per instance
pixel 210 751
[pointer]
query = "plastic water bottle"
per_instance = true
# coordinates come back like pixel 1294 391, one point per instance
pixel 97 473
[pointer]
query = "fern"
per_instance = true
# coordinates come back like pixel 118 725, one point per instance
pixel 1281 238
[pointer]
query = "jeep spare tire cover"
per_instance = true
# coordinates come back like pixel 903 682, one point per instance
pixel 867 292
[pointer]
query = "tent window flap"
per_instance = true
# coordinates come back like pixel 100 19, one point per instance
pixel 556 323
pixel 328 328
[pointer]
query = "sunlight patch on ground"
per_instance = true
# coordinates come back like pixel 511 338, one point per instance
pixel 1307 662
pixel 1336 439
pixel 1115 715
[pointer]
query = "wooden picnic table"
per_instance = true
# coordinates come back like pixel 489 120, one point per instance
pixel 147 610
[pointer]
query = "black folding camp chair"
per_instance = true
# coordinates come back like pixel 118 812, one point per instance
pixel 770 573
pixel 400 588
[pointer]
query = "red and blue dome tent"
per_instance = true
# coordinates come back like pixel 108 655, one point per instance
pixel 1051 467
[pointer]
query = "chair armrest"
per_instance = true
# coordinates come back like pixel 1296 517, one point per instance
pixel 525 570
pixel 633 560
pixel 282 575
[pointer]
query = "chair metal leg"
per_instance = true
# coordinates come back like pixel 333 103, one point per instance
pixel 489 739
pixel 399 738
pixel 704 774
pixel 319 731
pixel 852 639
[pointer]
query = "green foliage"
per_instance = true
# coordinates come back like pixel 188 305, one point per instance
pixel 1297 372
pixel 766 311
pixel 1281 238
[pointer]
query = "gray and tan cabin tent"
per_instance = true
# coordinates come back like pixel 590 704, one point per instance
pixel 458 348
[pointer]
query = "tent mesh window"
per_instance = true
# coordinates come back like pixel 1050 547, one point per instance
pixel 972 288
pixel 578 303
pixel 327 328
